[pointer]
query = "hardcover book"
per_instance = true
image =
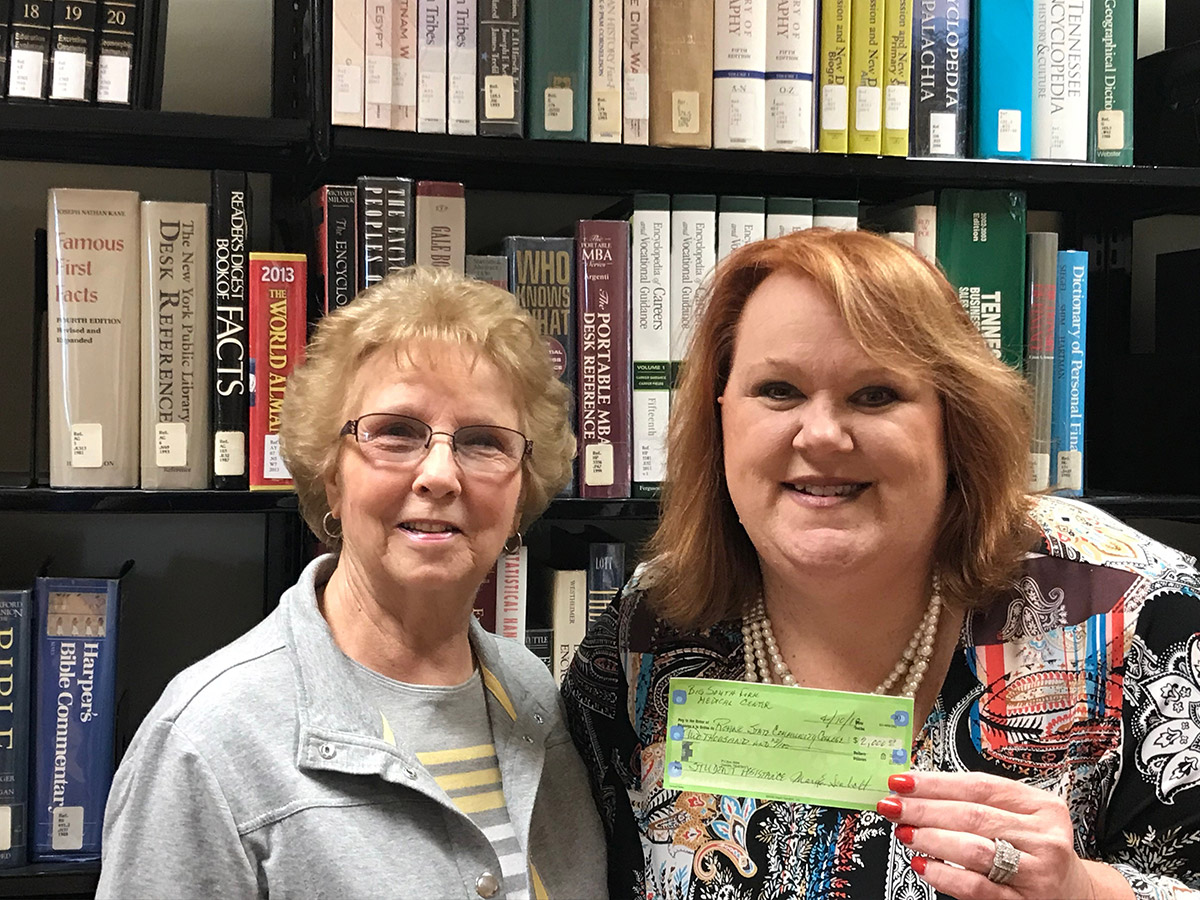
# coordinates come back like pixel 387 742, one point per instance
pixel 1070 371
pixel 230 408
pixel 1110 102
pixel 1042 264
pixel 602 285
pixel 5 19
pixel 431 65
pixel 512 594
pixel 739 74
pixel 693 256
pixel 791 75
pixel 740 221
pixel 1004 77
pixel 463 53
pixel 897 74
pixel 441 239
pixel 835 75
pixel 398 238
pixel 788 214
pixel 681 79
pixel 485 601
pixel 492 269
pixel 335 226
pixel 117 46
pixel 605 577
pixel 73 50
pixel 636 67
pixel 539 641
pixel 29 48
pixel 568 617
pixel 94 337
pixel 278 324
pixel 557 77
pixel 1060 100
pixel 175 346
pixel 150 53
pixel 605 83
pixel 917 215
pixel 941 83
pixel 74 714
pixel 349 62
pixel 501 88
pixel 838 214
pixel 372 234
pixel 865 131
pixel 16 654
pixel 404 65
pixel 650 293
pixel 378 75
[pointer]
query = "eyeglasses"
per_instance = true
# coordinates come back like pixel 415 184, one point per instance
pixel 483 449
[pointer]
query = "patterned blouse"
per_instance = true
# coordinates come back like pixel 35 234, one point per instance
pixel 1086 682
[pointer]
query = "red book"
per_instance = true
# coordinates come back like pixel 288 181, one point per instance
pixel 602 286
pixel 277 291
pixel 485 602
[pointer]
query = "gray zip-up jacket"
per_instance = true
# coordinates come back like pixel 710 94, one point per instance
pixel 262 772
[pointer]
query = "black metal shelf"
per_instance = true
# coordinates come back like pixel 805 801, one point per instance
pixel 1147 506
pixel 138 137
pixel 57 880
pixel 573 509
pixel 137 501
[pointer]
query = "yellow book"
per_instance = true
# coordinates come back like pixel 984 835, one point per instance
pixel 866 76
pixel 897 70
pixel 835 75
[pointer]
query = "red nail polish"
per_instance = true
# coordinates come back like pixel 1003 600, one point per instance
pixel 918 863
pixel 904 833
pixel 888 807
pixel 902 784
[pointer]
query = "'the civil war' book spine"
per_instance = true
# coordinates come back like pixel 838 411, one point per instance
pixel 941 88
pixel 739 74
pixel 230 411
pixel 372 233
pixel 175 346
pixel 1070 364
pixel 602 285
pixel 1110 104
pixel 16 652
pixel 462 117
pixel 1002 53
pixel 1042 264
pixel 557 75
pixel 94 337
pixel 335 219
pixel 278 294
pixel 605 576
pixel 73 50
pixel 681 61
pixel 650 297
pixel 29 53
pixel 349 62
pixel 5 19
pixel 398 236
pixel 74 714
pixel 118 44
pixel 502 67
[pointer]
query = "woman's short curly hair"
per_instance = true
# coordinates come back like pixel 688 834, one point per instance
pixel 423 305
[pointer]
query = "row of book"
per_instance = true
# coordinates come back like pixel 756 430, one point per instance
pixel 108 52
pixel 1043 79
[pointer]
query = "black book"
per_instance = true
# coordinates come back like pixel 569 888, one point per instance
pixel 5 18
pixel 229 224
pixel 501 67
pixel 29 49
pixel 149 51
pixel 334 279
pixel 372 234
pixel 117 41
pixel 73 51
pixel 398 224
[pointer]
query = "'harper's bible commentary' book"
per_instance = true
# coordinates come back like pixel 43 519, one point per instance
pixel 94 337
pixel 229 261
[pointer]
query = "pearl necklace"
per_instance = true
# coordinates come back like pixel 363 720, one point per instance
pixel 765 663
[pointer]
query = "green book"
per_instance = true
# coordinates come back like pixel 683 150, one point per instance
pixel 557 72
pixel 981 248
pixel 1110 102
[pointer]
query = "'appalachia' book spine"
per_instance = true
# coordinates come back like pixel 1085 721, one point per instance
pixel 229 223
pixel 788 214
pixel 431 65
pixel 557 68
pixel 605 576
pixel 791 79
pixel 372 234
pixel 117 47
pixel 349 62
pixel 739 74
pixel 897 75
pixel 404 65
pixel 398 234
pixel 681 74
pixel 278 302
pixel 635 100
pixel 602 286
pixel 377 105
pixel 650 296
pixel 16 674
pixel 1070 371
pixel 1042 264
pixel 865 131
pixel 73 50
pixel 1004 78
pixel 94 338
pixel 740 221
pixel 1110 103
pixel 462 61
pixel 941 85
pixel 74 715
pixel 5 19
pixel 835 75
pixel 501 58
pixel 29 49
pixel 441 239
pixel 693 255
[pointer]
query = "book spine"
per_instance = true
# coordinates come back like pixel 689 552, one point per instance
pixel 277 332
pixel 568 617
pixel 73 51
pixel 557 75
pixel 404 65
pixel 650 292
pixel 924 226
pixel 1042 259
pixel 175 346
pixel 605 577
pixel 681 73
pixel 117 45
pixel 230 340
pixel 605 83
pixel 149 58
pixel 1110 103
pixel 378 75
pixel 841 215
pixel 693 255
pixel 74 714
pixel 349 62
pixel 512 594
pixel 865 131
pixel 441 239
pixel 788 214
pixel 431 65
pixel 941 108
pixel 461 116
pixel 539 642
pixel 739 74
pixel 740 221
pixel 94 337
pixel 5 21
pixel 338 247
pixel 502 68
pixel 485 601
pixel 1009 89
pixel 29 49
pixel 791 83
pixel 397 225
pixel 897 73
pixel 1071 300
pixel 636 68
pixel 602 285
pixel 1060 102
pixel 16 673
pixel 372 233
pixel 835 76
pixel 492 270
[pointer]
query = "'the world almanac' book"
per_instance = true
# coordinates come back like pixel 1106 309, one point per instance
pixel 229 261
pixel 29 49
pixel 16 659
pixel 602 286
pixel 73 50
pixel 278 296
pixel 74 714
pixel 94 337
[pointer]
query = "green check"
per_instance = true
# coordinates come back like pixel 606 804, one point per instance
pixel 830 748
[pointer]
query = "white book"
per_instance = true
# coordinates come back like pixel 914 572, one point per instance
pixel 512 594
pixel 349 62
pixel 379 64
pixel 636 66
pixel 1061 75
pixel 791 75
pixel 907 238
pixel 568 617
pixel 431 66
pixel 650 290
pixel 693 255
pixel 404 65
pixel 740 221
pixel 739 72
pixel 788 214
pixel 608 27
pixel 462 100
pixel 838 214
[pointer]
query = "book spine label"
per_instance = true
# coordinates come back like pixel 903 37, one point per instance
pixel 1110 122
pixel 865 131
pixel 1070 364
pixel 568 617
pixel 1060 103
pixel 230 340
pixel 404 65
pixel 693 255
pixel 431 65
pixel 681 59
pixel 650 290
pixel 372 232
pixel 94 337
pixel 397 227
pixel 512 594
pixel 636 66
pixel 16 650
pixel 441 239
pixel 378 74
pixel 835 76
pixel 1005 77
pixel 277 332
pixel 175 348
pixel 349 62
pixel 73 50
pixel 492 270
pixel 605 458
pixel 897 73
pixel 74 710
pixel 117 42
pixel 739 74
pixel 557 69
pixel 607 40
pixel 1042 257
pixel 605 576
pixel 5 20
pixel 501 88
pixel 463 52
pixel 790 83
pixel 941 106
pixel 29 48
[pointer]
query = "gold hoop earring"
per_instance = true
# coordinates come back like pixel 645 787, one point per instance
pixel 515 547
pixel 327 528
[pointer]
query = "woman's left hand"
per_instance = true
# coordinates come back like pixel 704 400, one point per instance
pixel 959 818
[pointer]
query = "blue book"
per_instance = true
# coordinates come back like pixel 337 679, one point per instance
pixel 941 85
pixel 1070 363
pixel 16 648
pixel 74 706
pixel 1002 45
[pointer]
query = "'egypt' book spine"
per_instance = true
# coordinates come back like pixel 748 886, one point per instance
pixel 230 412
pixel 431 65
pixel 377 105
pixel 791 79
pixel 29 49
pixel 557 68
pixel 73 50
pixel 941 82
pixel 117 46
pixel 404 65
pixel 16 673
pixel 650 324
pixel 681 59
pixel 441 223
pixel 739 74
pixel 349 62
pixel 501 59
pixel 462 61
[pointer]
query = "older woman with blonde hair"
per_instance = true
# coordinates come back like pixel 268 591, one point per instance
pixel 845 509
pixel 369 738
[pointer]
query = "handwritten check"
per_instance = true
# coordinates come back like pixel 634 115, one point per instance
pixel 829 748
